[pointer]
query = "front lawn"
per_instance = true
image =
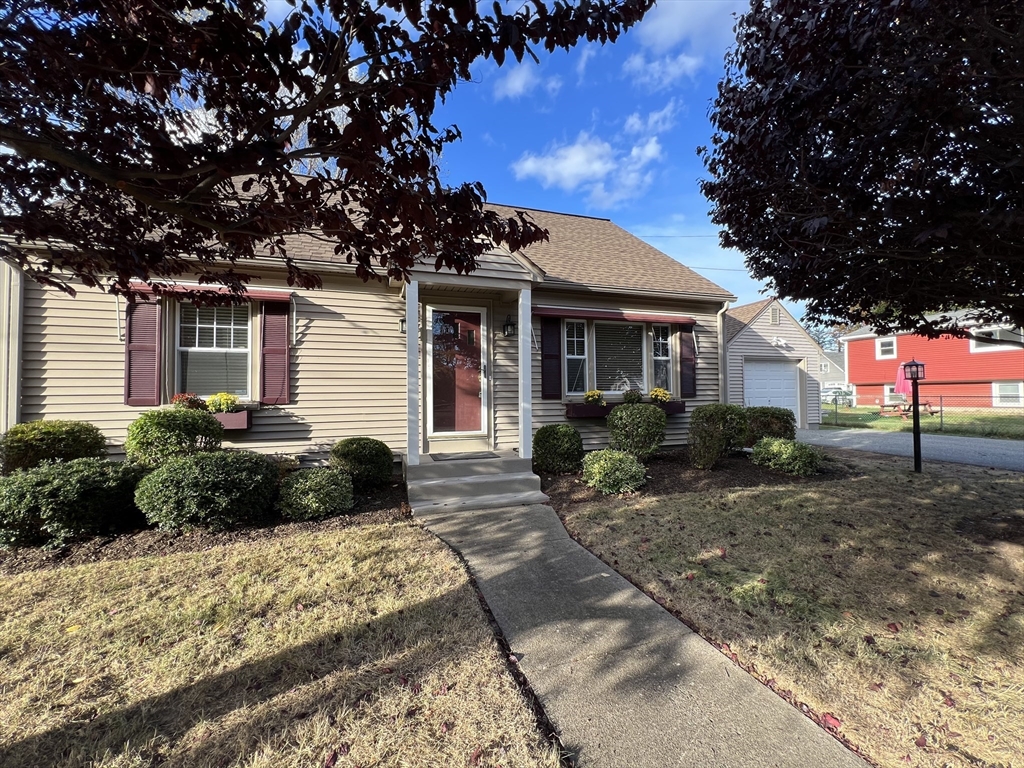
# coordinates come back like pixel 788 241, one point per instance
pixel 309 645
pixel 972 422
pixel 888 605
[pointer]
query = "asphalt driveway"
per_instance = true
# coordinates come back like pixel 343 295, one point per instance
pixel 979 451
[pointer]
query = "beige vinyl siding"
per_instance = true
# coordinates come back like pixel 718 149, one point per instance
pixel 593 431
pixel 755 341
pixel 348 368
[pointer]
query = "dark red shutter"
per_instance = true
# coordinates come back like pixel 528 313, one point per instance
pixel 687 361
pixel 551 358
pixel 275 358
pixel 142 353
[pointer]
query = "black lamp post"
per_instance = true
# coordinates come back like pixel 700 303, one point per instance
pixel 914 371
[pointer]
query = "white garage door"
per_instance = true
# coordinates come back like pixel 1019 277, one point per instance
pixel 771 383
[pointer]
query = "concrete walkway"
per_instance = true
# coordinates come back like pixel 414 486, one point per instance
pixel 979 451
pixel 624 682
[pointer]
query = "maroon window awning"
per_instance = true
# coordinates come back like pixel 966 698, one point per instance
pixel 252 294
pixel 612 314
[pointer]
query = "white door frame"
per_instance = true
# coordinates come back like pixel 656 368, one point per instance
pixel 485 351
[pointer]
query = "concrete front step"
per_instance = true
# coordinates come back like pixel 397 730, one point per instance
pixel 426 491
pixel 487 501
pixel 428 469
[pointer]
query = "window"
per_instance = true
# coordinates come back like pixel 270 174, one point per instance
pixel 824 368
pixel 885 348
pixel 1011 339
pixel 662 357
pixel 619 356
pixel 213 350
pixel 1008 394
pixel 774 316
pixel 575 356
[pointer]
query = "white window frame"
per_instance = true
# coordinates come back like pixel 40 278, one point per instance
pixel 1006 333
pixel 823 367
pixel 585 357
pixel 774 315
pixel 889 395
pixel 878 348
pixel 996 394
pixel 670 358
pixel 178 349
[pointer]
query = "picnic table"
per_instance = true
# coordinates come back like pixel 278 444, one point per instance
pixel 903 410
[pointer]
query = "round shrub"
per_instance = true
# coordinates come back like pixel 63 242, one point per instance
pixel 170 433
pixel 787 456
pixel 557 448
pixel 310 494
pixel 612 471
pixel 769 421
pixel 216 490
pixel 24 446
pixel 715 429
pixel 637 428
pixel 57 502
pixel 367 460
pixel 631 396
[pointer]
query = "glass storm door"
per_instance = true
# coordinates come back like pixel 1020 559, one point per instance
pixel 456 371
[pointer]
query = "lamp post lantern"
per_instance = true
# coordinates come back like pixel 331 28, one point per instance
pixel 914 371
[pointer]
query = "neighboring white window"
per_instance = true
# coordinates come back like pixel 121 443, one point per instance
pixel 575 356
pixel 774 316
pixel 213 350
pixel 1014 339
pixel 891 396
pixel 824 368
pixel 662 335
pixel 619 356
pixel 1008 394
pixel 885 348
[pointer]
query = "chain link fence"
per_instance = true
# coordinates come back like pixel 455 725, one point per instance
pixel 949 414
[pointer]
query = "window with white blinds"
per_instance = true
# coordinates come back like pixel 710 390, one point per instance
pixel 575 356
pixel 619 356
pixel 213 350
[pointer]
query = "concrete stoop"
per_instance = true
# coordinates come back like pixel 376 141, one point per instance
pixel 488 483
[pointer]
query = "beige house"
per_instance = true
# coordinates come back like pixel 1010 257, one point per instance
pixel 773 361
pixel 443 364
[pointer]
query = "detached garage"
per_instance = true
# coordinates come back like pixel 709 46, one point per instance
pixel 770 360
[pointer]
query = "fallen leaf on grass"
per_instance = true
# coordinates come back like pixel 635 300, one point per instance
pixel 876 687
pixel 331 759
pixel 690 576
pixel 869 639
pixel 474 759
pixel 894 626
pixel 921 741
pixel 831 722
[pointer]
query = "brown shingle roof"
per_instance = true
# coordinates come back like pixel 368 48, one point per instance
pixel 737 318
pixel 590 252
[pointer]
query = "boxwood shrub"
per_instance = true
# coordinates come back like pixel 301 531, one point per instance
pixel 310 494
pixel 169 433
pixel 769 421
pixel 611 471
pixel 216 490
pixel 24 446
pixel 637 428
pixel 57 502
pixel 557 448
pixel 715 430
pixel 787 456
pixel 368 461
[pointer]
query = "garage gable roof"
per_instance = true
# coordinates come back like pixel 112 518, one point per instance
pixel 738 318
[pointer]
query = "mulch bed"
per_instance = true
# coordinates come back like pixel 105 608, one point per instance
pixel 671 472
pixel 387 505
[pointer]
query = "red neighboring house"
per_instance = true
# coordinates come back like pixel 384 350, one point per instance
pixel 964 372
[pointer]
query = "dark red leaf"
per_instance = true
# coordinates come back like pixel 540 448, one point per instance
pixel 474 759
pixel 331 759
pixel 831 722
pixel 876 687
pixel 869 639
pixel 921 741
pixel 894 626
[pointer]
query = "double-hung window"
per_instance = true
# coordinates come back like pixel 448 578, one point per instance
pixel 214 350
pixel 619 359
pixel 1008 394
pixel 662 348
pixel 885 348
pixel 575 356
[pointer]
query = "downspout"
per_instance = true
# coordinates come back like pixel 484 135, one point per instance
pixel 12 291
pixel 723 379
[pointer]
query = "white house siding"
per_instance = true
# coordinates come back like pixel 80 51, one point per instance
pixel 594 431
pixel 755 341
pixel 348 367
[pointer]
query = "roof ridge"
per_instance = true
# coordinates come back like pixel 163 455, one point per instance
pixel 554 213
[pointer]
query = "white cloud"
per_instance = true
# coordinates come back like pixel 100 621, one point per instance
pixel 609 176
pixel 655 122
pixel 581 66
pixel 705 27
pixel 522 80
pixel 659 73
pixel 553 85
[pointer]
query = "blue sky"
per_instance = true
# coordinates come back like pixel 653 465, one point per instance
pixel 608 131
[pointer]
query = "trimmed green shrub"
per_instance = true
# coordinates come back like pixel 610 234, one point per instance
pixel 557 448
pixel 769 421
pixel 170 433
pixel 715 430
pixel 612 471
pixel 57 502
pixel 216 490
pixel 24 446
pixel 631 396
pixel 367 460
pixel 310 494
pixel 787 456
pixel 637 428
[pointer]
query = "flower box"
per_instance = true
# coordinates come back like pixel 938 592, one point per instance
pixel 587 410
pixel 235 420
pixel 672 406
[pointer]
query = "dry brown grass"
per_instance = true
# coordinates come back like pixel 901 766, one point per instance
pixel 365 647
pixel 869 595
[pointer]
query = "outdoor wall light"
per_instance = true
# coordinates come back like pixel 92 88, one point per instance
pixel 509 328
pixel 914 371
pixel 401 325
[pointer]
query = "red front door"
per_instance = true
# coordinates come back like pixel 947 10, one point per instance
pixel 457 393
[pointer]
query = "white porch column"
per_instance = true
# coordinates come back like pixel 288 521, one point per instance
pixel 525 375
pixel 11 300
pixel 412 361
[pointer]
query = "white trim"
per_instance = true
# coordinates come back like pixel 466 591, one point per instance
pixel 565 357
pixel 412 373
pixel 525 375
pixel 671 357
pixel 178 349
pixel 878 348
pixel 996 395
pixel 485 399
pixel 12 291
pixel 1013 345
